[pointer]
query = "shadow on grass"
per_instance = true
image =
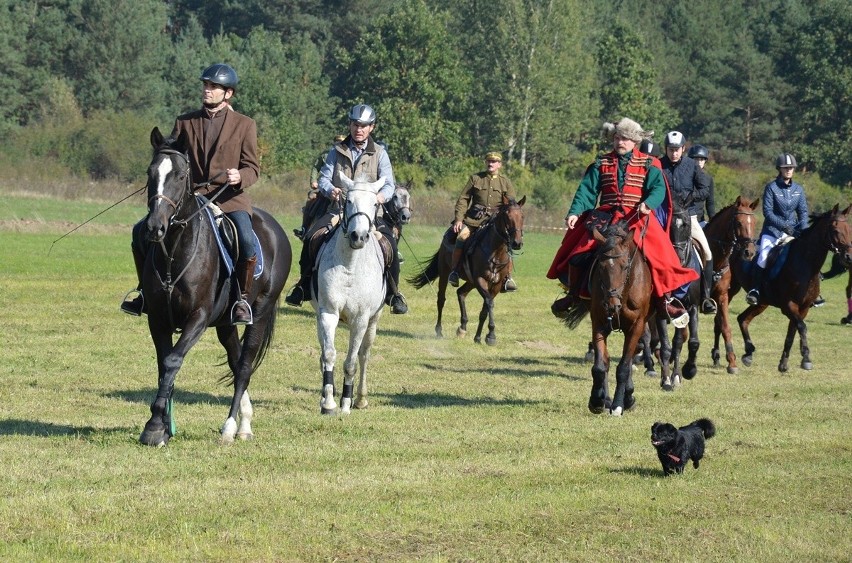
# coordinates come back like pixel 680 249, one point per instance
pixel 432 400
pixel 639 471
pixel 187 398
pixel 505 371
pixel 17 427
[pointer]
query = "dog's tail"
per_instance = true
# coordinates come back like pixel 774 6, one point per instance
pixel 706 426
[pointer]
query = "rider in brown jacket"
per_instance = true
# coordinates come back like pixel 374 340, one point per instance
pixel 222 148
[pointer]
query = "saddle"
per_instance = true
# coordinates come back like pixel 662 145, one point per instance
pixel 226 239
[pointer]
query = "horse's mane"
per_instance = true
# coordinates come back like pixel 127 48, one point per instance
pixel 721 212
pixel 814 217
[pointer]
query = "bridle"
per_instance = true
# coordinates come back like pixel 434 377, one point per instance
pixel 507 229
pixel 393 209
pixel 616 294
pixel 346 219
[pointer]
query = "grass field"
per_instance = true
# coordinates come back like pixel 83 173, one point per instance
pixel 466 452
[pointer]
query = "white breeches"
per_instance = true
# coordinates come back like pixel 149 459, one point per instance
pixel 698 236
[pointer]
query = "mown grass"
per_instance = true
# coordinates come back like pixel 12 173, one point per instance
pixel 466 452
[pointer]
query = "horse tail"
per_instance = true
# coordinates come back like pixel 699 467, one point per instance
pixel 263 348
pixel 707 427
pixel 427 274
pixel 576 314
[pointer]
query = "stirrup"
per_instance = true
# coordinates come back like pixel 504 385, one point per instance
pixel 125 303
pixel 709 306
pixel 250 313
pixel 753 297
pixel 296 296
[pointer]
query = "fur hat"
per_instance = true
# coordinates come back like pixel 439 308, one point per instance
pixel 626 128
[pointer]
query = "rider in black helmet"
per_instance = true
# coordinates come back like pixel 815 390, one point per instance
pixel 700 154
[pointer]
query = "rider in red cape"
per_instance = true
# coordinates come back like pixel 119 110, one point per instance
pixel 631 186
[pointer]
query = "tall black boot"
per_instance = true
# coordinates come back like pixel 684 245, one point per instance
pixel 241 311
pixel 136 306
pixel 753 296
pixel 302 290
pixel 708 305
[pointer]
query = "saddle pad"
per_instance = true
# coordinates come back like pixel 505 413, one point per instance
pixel 223 251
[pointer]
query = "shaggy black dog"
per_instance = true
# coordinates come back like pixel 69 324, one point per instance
pixel 675 446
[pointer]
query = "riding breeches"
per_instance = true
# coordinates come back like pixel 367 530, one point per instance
pixel 767 243
pixel 699 237
pixel 245 235
pixel 463 235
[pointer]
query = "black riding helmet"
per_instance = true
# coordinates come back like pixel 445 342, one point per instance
pixel 699 151
pixel 221 74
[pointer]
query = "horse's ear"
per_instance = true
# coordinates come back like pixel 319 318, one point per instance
pixel 409 185
pixel 597 235
pixel 755 203
pixel 347 182
pixel 156 138
pixel 522 202
pixel 848 209
pixel 739 200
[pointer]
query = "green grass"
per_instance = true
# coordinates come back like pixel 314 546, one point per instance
pixel 466 452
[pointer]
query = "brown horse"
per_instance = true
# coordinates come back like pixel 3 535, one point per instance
pixel 486 263
pixel 621 289
pixel 796 286
pixel 731 234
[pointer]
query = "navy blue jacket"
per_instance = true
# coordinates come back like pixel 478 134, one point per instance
pixel 785 209
pixel 687 182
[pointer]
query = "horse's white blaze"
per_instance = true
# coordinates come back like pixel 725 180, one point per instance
pixel 162 173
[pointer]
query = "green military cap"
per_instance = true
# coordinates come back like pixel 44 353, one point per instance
pixel 494 155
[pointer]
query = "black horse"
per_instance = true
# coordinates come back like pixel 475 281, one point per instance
pixel 188 288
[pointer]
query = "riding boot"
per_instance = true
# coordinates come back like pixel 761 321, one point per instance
pixel 673 310
pixel 708 305
pixel 136 306
pixel 302 290
pixel 454 274
pixel 509 284
pixel 241 311
pixel 753 296
pixel 397 301
pixel 561 306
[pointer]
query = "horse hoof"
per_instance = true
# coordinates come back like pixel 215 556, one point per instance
pixel 245 436
pixel 491 340
pixel 589 357
pixel 226 439
pixel 629 403
pixel 477 339
pixel 676 381
pixel 651 373
pixel 747 360
pixel 733 370
pixel 360 404
pixel 807 365
pixel 666 387
pixel 461 333
pixel 617 411
pixel 326 411
pixel 596 409
pixel 158 439
pixel 690 372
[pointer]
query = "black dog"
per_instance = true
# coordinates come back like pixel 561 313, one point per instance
pixel 675 446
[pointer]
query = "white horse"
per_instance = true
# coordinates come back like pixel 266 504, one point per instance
pixel 351 288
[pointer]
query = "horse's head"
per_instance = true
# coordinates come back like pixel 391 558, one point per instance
pixel 510 222
pixel 614 262
pixel 681 232
pixel 169 185
pixel 743 225
pixel 840 234
pixel 359 210
pixel 398 209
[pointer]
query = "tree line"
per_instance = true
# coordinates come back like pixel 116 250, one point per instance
pixel 86 80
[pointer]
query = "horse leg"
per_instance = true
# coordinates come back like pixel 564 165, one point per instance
pixel 326 328
pixel 230 340
pixel 364 357
pixel 744 319
pixel 442 298
pixel 622 399
pixel 158 429
pixel 599 399
pixel 803 344
pixel 462 292
pixel 665 354
pixel 690 369
pixel 241 403
pixel 487 312
pixel 722 325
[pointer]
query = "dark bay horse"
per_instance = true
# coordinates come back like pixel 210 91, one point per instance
pixel 188 289
pixel 485 265
pixel 796 286
pixel 836 269
pixel 621 289
pixel 731 234
pixel 670 351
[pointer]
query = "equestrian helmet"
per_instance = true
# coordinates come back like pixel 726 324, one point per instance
pixel 785 160
pixel 675 139
pixel 362 113
pixel 699 151
pixel 221 74
pixel 648 146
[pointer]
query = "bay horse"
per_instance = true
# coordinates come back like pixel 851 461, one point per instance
pixel 796 286
pixel 188 288
pixel 731 235
pixel 351 289
pixel 621 289
pixel 486 263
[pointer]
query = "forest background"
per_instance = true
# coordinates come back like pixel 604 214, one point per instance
pixel 85 81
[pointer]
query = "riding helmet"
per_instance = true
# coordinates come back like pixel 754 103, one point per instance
pixel 785 160
pixel 221 74
pixel 675 139
pixel 648 146
pixel 362 113
pixel 699 151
